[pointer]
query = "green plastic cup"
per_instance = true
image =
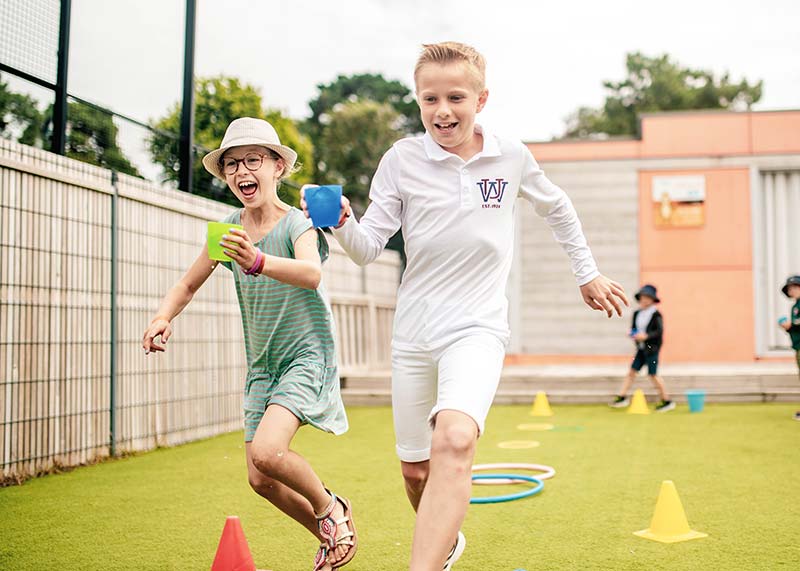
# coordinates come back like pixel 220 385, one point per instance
pixel 215 232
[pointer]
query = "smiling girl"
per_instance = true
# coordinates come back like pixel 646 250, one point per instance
pixel 292 376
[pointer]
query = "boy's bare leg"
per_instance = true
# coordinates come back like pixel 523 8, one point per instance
pixel 445 500
pixel 659 384
pixel 415 476
pixel 626 384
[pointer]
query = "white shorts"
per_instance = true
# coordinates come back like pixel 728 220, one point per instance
pixel 462 376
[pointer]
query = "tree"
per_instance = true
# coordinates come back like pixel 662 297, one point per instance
pixel 91 137
pixel 20 117
pixel 355 138
pixel 359 87
pixel 658 84
pixel 218 101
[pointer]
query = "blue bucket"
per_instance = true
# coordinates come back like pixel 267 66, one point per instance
pixel 696 399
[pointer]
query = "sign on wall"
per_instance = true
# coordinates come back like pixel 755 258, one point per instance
pixel 679 201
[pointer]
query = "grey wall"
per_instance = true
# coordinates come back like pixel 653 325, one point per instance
pixel 547 314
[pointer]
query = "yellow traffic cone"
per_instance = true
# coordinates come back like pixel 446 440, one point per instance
pixel 669 524
pixel 541 407
pixel 638 403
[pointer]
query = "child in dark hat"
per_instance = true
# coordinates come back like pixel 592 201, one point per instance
pixel 647 331
pixel 791 289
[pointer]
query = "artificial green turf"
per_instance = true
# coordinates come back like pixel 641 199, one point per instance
pixel 736 468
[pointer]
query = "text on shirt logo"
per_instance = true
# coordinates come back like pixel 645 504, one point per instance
pixel 492 190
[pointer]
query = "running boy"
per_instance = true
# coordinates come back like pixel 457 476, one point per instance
pixel 792 324
pixel 453 191
pixel 292 377
pixel 647 332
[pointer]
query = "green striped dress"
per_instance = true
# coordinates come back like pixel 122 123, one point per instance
pixel 289 338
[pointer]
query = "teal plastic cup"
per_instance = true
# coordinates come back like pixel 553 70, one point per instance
pixel 696 399
pixel 324 204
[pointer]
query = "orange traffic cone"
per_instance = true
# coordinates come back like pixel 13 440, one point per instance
pixel 233 554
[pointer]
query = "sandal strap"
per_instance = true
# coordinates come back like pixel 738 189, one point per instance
pixel 327 511
pixel 321 558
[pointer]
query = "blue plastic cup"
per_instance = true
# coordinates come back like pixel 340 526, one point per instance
pixel 324 204
pixel 696 399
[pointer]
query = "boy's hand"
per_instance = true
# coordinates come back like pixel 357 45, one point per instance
pixel 159 326
pixel 346 212
pixel 236 244
pixel 640 337
pixel 604 294
pixel 787 325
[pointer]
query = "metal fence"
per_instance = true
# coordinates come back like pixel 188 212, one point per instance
pixel 83 265
pixel 36 109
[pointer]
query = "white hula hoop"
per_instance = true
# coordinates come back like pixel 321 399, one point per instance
pixel 546 472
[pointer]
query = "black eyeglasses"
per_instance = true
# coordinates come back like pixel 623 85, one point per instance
pixel 252 162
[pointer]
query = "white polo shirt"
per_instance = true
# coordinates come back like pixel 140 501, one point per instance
pixel 458 225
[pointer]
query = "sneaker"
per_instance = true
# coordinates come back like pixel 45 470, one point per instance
pixel 797 415
pixel 620 402
pixel 665 405
pixel 455 553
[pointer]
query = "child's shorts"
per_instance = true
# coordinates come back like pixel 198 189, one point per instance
pixel 462 376
pixel 309 390
pixel 641 359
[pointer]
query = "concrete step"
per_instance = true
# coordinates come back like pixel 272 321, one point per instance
pixel 378 396
pixel 761 382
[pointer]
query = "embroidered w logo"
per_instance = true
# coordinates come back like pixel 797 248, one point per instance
pixel 492 189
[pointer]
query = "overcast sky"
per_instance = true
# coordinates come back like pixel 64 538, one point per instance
pixel 545 59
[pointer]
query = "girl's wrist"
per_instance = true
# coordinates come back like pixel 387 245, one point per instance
pixel 258 264
pixel 159 316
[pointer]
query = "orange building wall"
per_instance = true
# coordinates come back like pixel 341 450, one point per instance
pixel 703 274
pixel 688 134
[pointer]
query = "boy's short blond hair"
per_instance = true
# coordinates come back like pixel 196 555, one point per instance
pixel 453 52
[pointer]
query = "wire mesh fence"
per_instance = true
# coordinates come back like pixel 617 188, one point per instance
pixel 93 133
pixel 29 30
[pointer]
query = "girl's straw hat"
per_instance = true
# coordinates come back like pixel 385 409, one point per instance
pixel 248 131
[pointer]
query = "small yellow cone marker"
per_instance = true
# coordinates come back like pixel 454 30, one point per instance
pixel 541 407
pixel 669 524
pixel 638 403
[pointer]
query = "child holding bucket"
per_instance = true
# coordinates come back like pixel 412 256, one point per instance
pixel 454 192
pixel 292 376
pixel 647 332
pixel 791 325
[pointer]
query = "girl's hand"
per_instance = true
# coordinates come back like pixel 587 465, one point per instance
pixel 236 244
pixel 604 294
pixel 347 211
pixel 159 326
